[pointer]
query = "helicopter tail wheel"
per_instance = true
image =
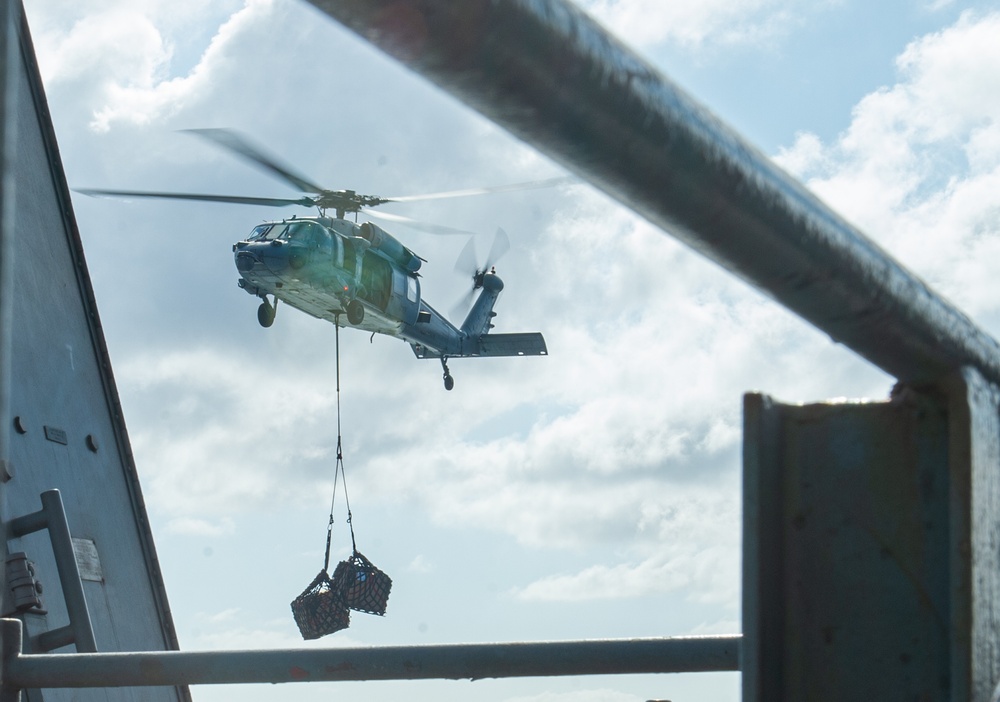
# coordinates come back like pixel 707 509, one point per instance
pixel 265 314
pixel 449 382
pixel 355 312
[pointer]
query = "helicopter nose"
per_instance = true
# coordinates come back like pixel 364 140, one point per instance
pixel 245 261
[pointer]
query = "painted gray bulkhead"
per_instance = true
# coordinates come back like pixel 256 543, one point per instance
pixel 63 426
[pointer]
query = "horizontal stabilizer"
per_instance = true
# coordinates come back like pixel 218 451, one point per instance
pixel 529 344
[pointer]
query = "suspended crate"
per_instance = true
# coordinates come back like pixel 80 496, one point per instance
pixel 364 587
pixel 320 609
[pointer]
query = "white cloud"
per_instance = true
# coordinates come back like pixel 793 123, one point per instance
pixel 150 95
pixel 685 541
pixel 420 564
pixel 191 526
pixel 122 56
pixel 223 633
pixel 919 166
pixel 646 22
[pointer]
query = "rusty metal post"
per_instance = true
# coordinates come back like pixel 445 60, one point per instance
pixel 871 542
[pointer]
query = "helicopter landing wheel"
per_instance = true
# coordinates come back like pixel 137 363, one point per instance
pixel 449 382
pixel 355 312
pixel 265 313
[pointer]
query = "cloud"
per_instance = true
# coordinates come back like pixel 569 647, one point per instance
pixel 123 57
pixel 149 96
pixel 190 526
pixel 223 633
pixel 420 564
pixel 919 166
pixel 647 22
pixel 685 539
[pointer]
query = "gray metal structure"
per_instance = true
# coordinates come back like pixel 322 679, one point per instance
pixel 871 530
pixel 70 500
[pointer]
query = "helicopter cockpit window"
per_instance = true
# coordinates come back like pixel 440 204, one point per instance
pixel 266 232
pixel 260 232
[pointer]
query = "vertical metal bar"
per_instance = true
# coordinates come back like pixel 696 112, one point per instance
pixel 69 572
pixel 850 596
pixel 763 552
pixel 53 517
pixel 974 469
pixel 9 59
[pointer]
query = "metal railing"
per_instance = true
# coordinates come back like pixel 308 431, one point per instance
pixel 455 661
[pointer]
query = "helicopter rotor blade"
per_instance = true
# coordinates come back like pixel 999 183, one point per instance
pixel 467 263
pixel 237 144
pixel 231 199
pixel 417 224
pixel 530 185
pixel 460 309
pixel 501 245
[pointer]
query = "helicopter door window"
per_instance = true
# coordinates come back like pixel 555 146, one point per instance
pixel 337 252
pixel 348 261
pixel 376 280
pixel 411 289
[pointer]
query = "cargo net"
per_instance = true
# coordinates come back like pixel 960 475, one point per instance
pixel 364 587
pixel 324 607
pixel 320 609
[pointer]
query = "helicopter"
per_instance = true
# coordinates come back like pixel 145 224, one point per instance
pixel 359 275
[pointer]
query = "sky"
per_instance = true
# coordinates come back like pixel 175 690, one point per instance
pixel 591 493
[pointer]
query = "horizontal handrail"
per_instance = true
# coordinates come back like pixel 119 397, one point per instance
pixel 444 661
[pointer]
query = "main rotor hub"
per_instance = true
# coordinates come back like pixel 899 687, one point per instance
pixel 344 201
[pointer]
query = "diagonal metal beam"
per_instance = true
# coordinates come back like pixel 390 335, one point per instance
pixel 556 79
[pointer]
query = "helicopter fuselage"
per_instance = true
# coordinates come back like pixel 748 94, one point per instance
pixel 350 274
pixel 361 276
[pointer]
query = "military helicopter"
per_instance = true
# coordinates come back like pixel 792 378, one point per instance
pixel 359 275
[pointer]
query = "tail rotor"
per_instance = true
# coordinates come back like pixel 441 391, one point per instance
pixel 467 265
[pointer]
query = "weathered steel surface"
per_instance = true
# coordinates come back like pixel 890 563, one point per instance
pixel 458 661
pixel 871 538
pixel 60 419
pixel 9 84
pixel 974 504
pixel 554 78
